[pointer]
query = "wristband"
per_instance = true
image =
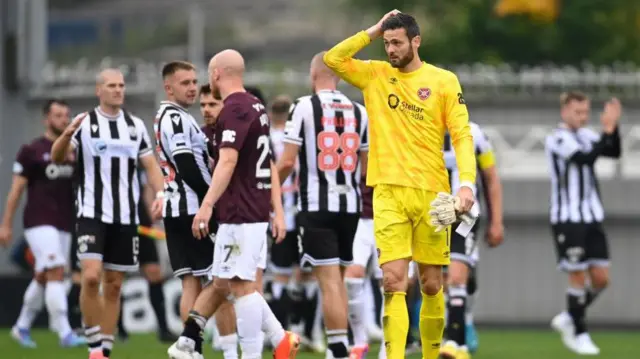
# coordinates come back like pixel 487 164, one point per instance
pixel 468 185
pixel 160 195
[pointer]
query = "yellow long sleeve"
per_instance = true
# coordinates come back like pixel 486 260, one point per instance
pixel 457 120
pixel 340 59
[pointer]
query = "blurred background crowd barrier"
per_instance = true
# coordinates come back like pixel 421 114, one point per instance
pixel 513 58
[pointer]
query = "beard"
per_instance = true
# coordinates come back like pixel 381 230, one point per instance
pixel 56 131
pixel 403 61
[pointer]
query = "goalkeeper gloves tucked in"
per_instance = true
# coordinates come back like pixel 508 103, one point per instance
pixel 444 212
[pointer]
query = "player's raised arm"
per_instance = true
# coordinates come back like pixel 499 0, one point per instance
pixel 457 121
pixel 70 137
pixel 340 58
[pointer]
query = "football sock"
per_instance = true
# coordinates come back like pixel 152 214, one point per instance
pixel 369 301
pixel 310 306
pixel 156 295
pixel 94 338
pixel 576 304
pixel 355 293
pixel 280 303
pixel 249 318
pixel 382 353
pixel 75 316
pixel 271 326
pixel 592 294
pixel 55 297
pixel 395 324
pixel 337 343
pixel 32 303
pixel 456 317
pixel 432 324
pixel 107 345
pixel 193 328
pixel 229 346
pixel 295 292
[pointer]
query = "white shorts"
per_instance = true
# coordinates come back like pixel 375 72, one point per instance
pixel 240 250
pixel 49 245
pixel 364 247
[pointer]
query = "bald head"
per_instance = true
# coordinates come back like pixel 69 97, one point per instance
pixel 109 75
pixel 320 69
pixel 228 62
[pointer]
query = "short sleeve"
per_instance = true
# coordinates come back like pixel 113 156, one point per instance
pixel 562 143
pixel 364 128
pixel 176 133
pixel 145 148
pixel 24 163
pixel 295 122
pixel 235 124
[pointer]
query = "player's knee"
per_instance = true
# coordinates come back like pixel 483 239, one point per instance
pixel 112 286
pixel 600 281
pixel 431 282
pixel 152 273
pixel 55 274
pixel 41 278
pixel 577 279
pixel 221 287
pixel 355 271
pixel 394 280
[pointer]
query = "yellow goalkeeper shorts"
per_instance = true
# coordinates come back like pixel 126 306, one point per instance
pixel 402 229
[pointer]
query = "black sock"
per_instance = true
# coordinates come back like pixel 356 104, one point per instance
pixel 592 294
pixel 156 295
pixel 456 307
pixel 576 304
pixel 193 329
pixel 296 299
pixel 309 306
pixel 122 332
pixel 336 344
pixel 472 282
pixel 280 304
pixel 75 315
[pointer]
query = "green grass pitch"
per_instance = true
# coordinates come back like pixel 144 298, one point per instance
pixel 494 344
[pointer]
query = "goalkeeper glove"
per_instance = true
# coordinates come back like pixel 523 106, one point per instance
pixel 444 212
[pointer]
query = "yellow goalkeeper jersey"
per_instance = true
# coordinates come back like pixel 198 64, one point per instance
pixel 409 114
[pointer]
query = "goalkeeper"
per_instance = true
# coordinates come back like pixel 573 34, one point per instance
pixel 411 105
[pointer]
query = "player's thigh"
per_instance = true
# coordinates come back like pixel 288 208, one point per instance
pixel 90 239
pixel 570 243
pixel 346 231
pixel 46 246
pixel 284 255
pixel 318 239
pixel 148 251
pixel 238 250
pixel 430 247
pixel 364 245
pixel 187 255
pixel 391 225
pixel 463 249
pixel 597 246
pixel 122 248
pixel 262 259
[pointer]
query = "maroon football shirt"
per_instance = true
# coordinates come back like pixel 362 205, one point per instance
pixel 49 186
pixel 244 126
pixel 367 200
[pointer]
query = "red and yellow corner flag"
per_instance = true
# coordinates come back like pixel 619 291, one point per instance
pixel 547 10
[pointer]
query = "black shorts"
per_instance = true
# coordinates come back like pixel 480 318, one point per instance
pixel 188 255
pixel 464 249
pixel 580 245
pixel 327 237
pixel 73 256
pixel 116 245
pixel 285 255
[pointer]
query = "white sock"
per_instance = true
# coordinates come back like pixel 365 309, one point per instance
pixel 32 303
pixel 369 304
pixel 355 292
pixel 229 346
pixel 249 309
pixel 55 296
pixel 469 309
pixel 271 326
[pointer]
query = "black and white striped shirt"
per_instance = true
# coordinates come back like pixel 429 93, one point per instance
pixel 575 194
pixel 289 186
pixel 108 148
pixel 177 133
pixel 331 130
